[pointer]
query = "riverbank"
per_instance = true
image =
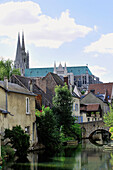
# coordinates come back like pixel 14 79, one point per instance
pixel 84 156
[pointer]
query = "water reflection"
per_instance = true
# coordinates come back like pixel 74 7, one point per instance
pixel 100 137
pixel 86 156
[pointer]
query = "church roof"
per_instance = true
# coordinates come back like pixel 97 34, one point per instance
pixel 42 72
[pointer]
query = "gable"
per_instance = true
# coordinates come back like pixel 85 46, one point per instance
pixel 91 98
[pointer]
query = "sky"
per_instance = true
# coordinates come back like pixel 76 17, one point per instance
pixel 75 32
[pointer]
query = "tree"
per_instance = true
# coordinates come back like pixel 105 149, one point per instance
pixel 108 118
pixel 48 133
pixel 7 69
pixel 19 140
pixel 63 106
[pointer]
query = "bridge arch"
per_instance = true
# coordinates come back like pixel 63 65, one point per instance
pixel 90 127
pixel 97 130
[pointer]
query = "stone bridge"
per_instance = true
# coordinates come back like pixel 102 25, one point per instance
pixel 90 127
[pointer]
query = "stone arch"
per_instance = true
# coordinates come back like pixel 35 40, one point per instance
pixel 101 129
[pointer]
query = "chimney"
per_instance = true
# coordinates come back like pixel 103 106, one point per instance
pixel 70 88
pixel 6 83
pixel 31 85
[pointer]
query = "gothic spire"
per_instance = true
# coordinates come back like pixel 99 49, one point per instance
pixel 18 51
pixel 23 44
pixel 18 39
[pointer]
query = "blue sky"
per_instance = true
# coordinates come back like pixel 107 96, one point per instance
pixel 71 31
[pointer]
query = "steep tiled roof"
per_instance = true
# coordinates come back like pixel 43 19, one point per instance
pixel 56 78
pixel 42 72
pixel 24 82
pixel 104 88
pixel 90 107
pixel 12 87
pixel 93 107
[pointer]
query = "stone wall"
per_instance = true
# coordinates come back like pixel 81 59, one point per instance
pixel 89 127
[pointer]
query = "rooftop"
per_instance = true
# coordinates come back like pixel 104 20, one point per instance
pixel 15 88
pixel 104 88
pixel 90 107
pixel 42 72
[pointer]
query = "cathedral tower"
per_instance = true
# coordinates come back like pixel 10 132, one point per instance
pixel 22 58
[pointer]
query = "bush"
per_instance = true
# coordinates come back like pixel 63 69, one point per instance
pixel 19 140
pixel 7 151
pixel 111 129
pixel 48 133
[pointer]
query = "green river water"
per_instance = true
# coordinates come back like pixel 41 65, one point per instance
pixel 86 156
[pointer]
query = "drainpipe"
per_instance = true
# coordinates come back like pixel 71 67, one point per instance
pixel 6 100
pixel 6 88
pixel 0 142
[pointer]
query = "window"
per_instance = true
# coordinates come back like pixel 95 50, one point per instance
pixel 76 107
pixel 27 129
pixel 88 119
pixel 27 106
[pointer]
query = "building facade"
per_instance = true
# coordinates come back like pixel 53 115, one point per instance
pixel 17 106
pixel 92 108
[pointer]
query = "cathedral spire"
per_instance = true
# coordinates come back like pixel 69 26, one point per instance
pixel 22 58
pixel 23 44
pixel 19 39
pixel 18 51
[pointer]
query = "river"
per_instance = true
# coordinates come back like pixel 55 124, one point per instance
pixel 86 156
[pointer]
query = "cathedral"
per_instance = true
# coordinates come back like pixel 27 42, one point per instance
pixel 80 76
pixel 22 58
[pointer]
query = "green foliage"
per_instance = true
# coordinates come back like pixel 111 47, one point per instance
pixel 82 92
pixel 111 129
pixel 15 72
pixel 48 133
pixel 108 118
pixel 74 132
pixel 7 150
pixel 63 106
pixel 6 69
pixel 19 140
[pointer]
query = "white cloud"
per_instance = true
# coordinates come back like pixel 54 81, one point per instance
pixel 95 55
pixel 98 71
pixel 41 30
pixel 103 45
